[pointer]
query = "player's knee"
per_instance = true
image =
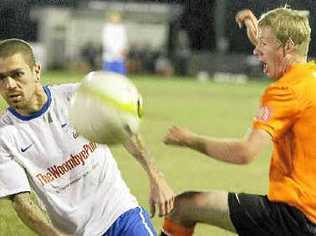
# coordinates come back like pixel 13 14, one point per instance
pixel 186 205
pixel 186 198
pixel 185 202
pixel 192 199
pixel 189 201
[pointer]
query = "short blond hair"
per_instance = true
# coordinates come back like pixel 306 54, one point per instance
pixel 288 24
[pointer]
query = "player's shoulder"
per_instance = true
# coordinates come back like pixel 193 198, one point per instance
pixel 300 80
pixel 7 127
pixel 5 119
pixel 299 76
pixel 64 90
pixel 280 91
pixel 299 88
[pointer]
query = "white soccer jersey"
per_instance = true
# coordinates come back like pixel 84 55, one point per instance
pixel 78 181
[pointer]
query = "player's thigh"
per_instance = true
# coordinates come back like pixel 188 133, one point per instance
pixel 203 207
pixel 254 214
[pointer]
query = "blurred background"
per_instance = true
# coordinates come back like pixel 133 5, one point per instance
pixel 179 37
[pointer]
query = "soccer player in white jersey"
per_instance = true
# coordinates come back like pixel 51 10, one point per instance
pixel 77 181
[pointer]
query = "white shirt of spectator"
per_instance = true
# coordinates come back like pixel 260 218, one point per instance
pixel 114 42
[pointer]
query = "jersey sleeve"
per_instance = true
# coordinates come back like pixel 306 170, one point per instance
pixel 278 111
pixel 65 90
pixel 13 178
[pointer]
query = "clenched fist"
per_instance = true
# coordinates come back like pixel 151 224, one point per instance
pixel 247 18
pixel 177 136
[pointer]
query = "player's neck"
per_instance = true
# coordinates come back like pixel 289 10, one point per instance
pixel 292 60
pixel 297 60
pixel 36 102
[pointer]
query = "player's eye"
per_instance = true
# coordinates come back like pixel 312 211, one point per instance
pixel 17 74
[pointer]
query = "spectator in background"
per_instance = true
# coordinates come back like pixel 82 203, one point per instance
pixel 163 65
pixel 115 44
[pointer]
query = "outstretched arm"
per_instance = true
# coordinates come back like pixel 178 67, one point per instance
pixel 161 195
pixel 236 151
pixel 32 215
pixel 247 18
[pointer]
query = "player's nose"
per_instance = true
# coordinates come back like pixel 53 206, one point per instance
pixel 8 82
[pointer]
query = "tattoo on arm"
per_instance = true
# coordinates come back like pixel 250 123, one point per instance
pixel 32 215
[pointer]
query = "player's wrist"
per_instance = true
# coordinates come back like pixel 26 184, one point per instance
pixel 188 140
pixel 156 176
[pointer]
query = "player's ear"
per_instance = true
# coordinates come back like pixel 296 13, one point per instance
pixel 289 45
pixel 37 71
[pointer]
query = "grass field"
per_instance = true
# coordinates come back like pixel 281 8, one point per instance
pixel 221 110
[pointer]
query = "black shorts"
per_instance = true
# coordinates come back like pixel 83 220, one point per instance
pixel 255 215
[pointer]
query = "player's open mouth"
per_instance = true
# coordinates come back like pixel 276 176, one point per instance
pixel 264 67
pixel 14 95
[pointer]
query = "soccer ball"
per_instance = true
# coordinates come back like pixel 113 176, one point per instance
pixel 106 108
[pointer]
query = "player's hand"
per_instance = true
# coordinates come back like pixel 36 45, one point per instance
pixel 247 18
pixel 161 197
pixel 177 136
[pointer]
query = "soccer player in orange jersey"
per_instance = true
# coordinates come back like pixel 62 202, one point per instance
pixel 286 119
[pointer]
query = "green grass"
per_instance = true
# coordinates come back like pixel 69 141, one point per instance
pixel 221 110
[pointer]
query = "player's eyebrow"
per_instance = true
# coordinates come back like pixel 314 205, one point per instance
pixel 6 74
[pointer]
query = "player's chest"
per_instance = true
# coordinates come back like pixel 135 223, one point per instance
pixel 54 155
pixel 47 140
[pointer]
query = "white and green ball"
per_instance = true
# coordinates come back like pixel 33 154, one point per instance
pixel 106 108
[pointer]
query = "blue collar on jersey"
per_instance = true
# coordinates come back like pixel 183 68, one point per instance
pixel 35 114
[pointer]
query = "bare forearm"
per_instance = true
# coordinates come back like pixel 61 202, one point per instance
pixel 247 18
pixel 136 147
pixel 236 151
pixel 161 195
pixel 227 150
pixel 33 216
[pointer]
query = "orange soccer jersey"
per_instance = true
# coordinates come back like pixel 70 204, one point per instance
pixel 288 114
